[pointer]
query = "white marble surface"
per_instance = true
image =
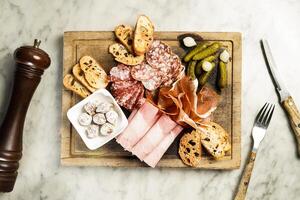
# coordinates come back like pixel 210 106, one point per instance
pixel 276 174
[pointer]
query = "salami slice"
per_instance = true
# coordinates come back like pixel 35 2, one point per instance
pixel 136 95
pixel 120 85
pixel 123 96
pixel 127 93
pixel 142 72
pixel 158 54
pixel 168 64
pixel 120 73
pixel 153 83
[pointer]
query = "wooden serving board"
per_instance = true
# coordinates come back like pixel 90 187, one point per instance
pixel 75 153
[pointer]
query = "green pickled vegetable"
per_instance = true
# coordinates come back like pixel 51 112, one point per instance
pixel 203 78
pixel 194 51
pixel 222 82
pixel 191 69
pixel 198 68
pixel 210 50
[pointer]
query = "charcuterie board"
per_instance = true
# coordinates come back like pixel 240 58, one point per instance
pixel 75 153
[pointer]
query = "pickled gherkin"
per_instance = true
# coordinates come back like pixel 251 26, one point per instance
pixel 194 51
pixel 222 81
pixel 191 69
pixel 210 50
pixel 203 78
pixel 198 68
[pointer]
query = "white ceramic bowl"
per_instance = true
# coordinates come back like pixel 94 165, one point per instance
pixel 74 112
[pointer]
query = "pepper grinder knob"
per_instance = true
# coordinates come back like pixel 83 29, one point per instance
pixel 31 61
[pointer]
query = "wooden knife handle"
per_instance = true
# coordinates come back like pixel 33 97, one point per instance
pixel 243 186
pixel 294 117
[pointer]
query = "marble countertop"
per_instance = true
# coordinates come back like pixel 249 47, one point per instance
pixel 276 174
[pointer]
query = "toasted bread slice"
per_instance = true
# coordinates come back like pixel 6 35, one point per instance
pixel 122 55
pixel 79 75
pixel 93 72
pixel 72 84
pixel 190 149
pixel 125 35
pixel 215 139
pixel 143 35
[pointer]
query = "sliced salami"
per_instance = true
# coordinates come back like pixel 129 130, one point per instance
pixel 158 54
pixel 136 95
pixel 120 72
pixel 153 83
pixel 168 64
pixel 123 97
pixel 142 72
pixel 120 85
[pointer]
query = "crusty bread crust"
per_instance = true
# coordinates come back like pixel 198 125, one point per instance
pixel 72 84
pixel 79 75
pixel 124 33
pixel 123 56
pixel 190 149
pixel 93 72
pixel 143 35
pixel 215 139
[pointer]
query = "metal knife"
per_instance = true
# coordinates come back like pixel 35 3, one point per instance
pixel 285 97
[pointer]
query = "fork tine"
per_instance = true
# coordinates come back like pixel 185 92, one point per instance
pixel 270 116
pixel 266 114
pixel 260 113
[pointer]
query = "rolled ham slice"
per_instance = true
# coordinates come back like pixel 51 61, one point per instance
pixel 154 136
pixel 154 157
pixel 138 126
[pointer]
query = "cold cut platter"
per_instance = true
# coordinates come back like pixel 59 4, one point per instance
pixel 171 120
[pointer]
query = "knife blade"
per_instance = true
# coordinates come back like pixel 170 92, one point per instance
pixel 284 95
pixel 279 85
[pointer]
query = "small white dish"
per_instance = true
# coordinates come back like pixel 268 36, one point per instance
pixel 74 112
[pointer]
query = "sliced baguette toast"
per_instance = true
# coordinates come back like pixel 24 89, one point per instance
pixel 122 55
pixel 79 75
pixel 125 35
pixel 215 139
pixel 143 35
pixel 93 72
pixel 190 149
pixel 72 84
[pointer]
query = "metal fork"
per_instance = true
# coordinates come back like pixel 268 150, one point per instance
pixel 261 124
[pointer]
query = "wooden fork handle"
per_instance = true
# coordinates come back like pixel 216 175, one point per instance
pixel 243 186
pixel 294 117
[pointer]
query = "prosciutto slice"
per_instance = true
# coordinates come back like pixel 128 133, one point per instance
pixel 184 104
pixel 154 136
pixel 139 125
pixel 154 157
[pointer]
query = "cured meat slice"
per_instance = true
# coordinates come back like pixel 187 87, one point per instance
pixel 136 95
pixel 132 114
pixel 154 157
pixel 158 53
pixel 168 64
pixel 154 136
pixel 120 72
pixel 142 121
pixel 126 97
pixel 153 83
pixel 121 85
pixel 142 72
pixel 208 101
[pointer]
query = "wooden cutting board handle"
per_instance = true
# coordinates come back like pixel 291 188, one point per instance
pixel 294 117
pixel 243 186
pixel 30 65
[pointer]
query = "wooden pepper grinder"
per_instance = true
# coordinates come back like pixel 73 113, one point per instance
pixel 30 65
